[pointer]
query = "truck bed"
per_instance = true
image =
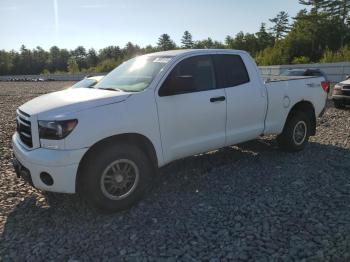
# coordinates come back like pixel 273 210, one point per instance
pixel 283 92
pixel 278 78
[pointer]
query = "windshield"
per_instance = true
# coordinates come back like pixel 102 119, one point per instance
pixel 134 75
pixel 84 83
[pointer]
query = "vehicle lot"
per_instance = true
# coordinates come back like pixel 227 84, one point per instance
pixel 251 202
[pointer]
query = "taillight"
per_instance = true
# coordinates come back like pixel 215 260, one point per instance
pixel 325 86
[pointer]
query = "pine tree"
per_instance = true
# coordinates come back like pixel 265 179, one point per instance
pixel 165 43
pixel 264 38
pixel 316 5
pixel 281 24
pixel 131 50
pixel 187 40
pixel 337 10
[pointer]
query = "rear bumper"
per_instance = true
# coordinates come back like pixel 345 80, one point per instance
pixel 61 165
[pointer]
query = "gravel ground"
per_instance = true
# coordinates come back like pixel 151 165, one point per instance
pixel 247 202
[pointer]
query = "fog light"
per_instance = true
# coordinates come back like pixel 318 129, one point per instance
pixel 46 178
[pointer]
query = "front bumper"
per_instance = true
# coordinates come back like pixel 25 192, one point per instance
pixel 62 165
pixel 345 99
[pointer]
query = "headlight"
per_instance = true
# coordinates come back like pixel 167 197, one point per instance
pixel 337 87
pixel 56 130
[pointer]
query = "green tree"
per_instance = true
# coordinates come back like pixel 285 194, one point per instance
pixel 187 40
pixel 91 58
pixel 80 56
pixel 131 50
pixel 280 25
pixel 337 8
pixel 58 59
pixel 337 11
pixel 6 63
pixel 251 44
pixel 311 34
pixel 247 42
pixel 25 61
pixel 149 49
pixel 238 42
pixel 165 43
pixel 301 60
pixel 272 55
pixel 107 65
pixel 109 52
pixel 72 66
pixel 341 55
pixel 40 58
pixel 204 44
pixel 316 5
pixel 319 33
pixel 208 44
pixel 264 39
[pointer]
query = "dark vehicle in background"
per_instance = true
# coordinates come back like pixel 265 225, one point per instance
pixel 87 82
pixel 304 72
pixel 341 93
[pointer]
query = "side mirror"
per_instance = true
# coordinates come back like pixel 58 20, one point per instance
pixel 184 84
pixel 177 85
pixel 347 77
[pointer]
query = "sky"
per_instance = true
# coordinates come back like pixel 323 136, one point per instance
pixel 100 23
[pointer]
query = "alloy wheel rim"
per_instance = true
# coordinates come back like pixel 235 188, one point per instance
pixel 119 179
pixel 299 133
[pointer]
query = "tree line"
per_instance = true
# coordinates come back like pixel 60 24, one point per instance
pixel 318 33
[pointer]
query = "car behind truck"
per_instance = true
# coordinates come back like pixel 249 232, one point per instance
pixel 107 142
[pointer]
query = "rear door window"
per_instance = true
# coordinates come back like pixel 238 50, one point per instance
pixel 230 70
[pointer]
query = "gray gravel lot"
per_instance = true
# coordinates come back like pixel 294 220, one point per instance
pixel 247 202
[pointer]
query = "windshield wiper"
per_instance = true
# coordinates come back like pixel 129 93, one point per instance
pixel 111 89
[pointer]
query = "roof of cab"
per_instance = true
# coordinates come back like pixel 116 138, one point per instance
pixel 184 51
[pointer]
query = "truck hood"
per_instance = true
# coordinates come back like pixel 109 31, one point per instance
pixel 346 82
pixel 72 100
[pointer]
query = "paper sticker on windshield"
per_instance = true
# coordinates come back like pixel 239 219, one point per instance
pixel 162 60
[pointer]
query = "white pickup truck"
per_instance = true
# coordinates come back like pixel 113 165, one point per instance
pixel 108 141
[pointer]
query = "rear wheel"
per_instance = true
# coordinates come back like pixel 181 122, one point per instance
pixel 296 132
pixel 116 177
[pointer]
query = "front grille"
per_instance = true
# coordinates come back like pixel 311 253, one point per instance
pixel 346 87
pixel 24 128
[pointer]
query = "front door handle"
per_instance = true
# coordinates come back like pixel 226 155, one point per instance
pixel 217 99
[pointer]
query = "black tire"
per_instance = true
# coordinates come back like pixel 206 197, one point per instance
pixel 338 104
pixel 93 171
pixel 291 140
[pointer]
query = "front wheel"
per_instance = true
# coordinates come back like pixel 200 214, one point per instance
pixel 116 177
pixel 296 132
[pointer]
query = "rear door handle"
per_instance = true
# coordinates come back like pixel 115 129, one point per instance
pixel 217 99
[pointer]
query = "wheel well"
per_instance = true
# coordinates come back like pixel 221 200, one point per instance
pixel 130 138
pixel 307 108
